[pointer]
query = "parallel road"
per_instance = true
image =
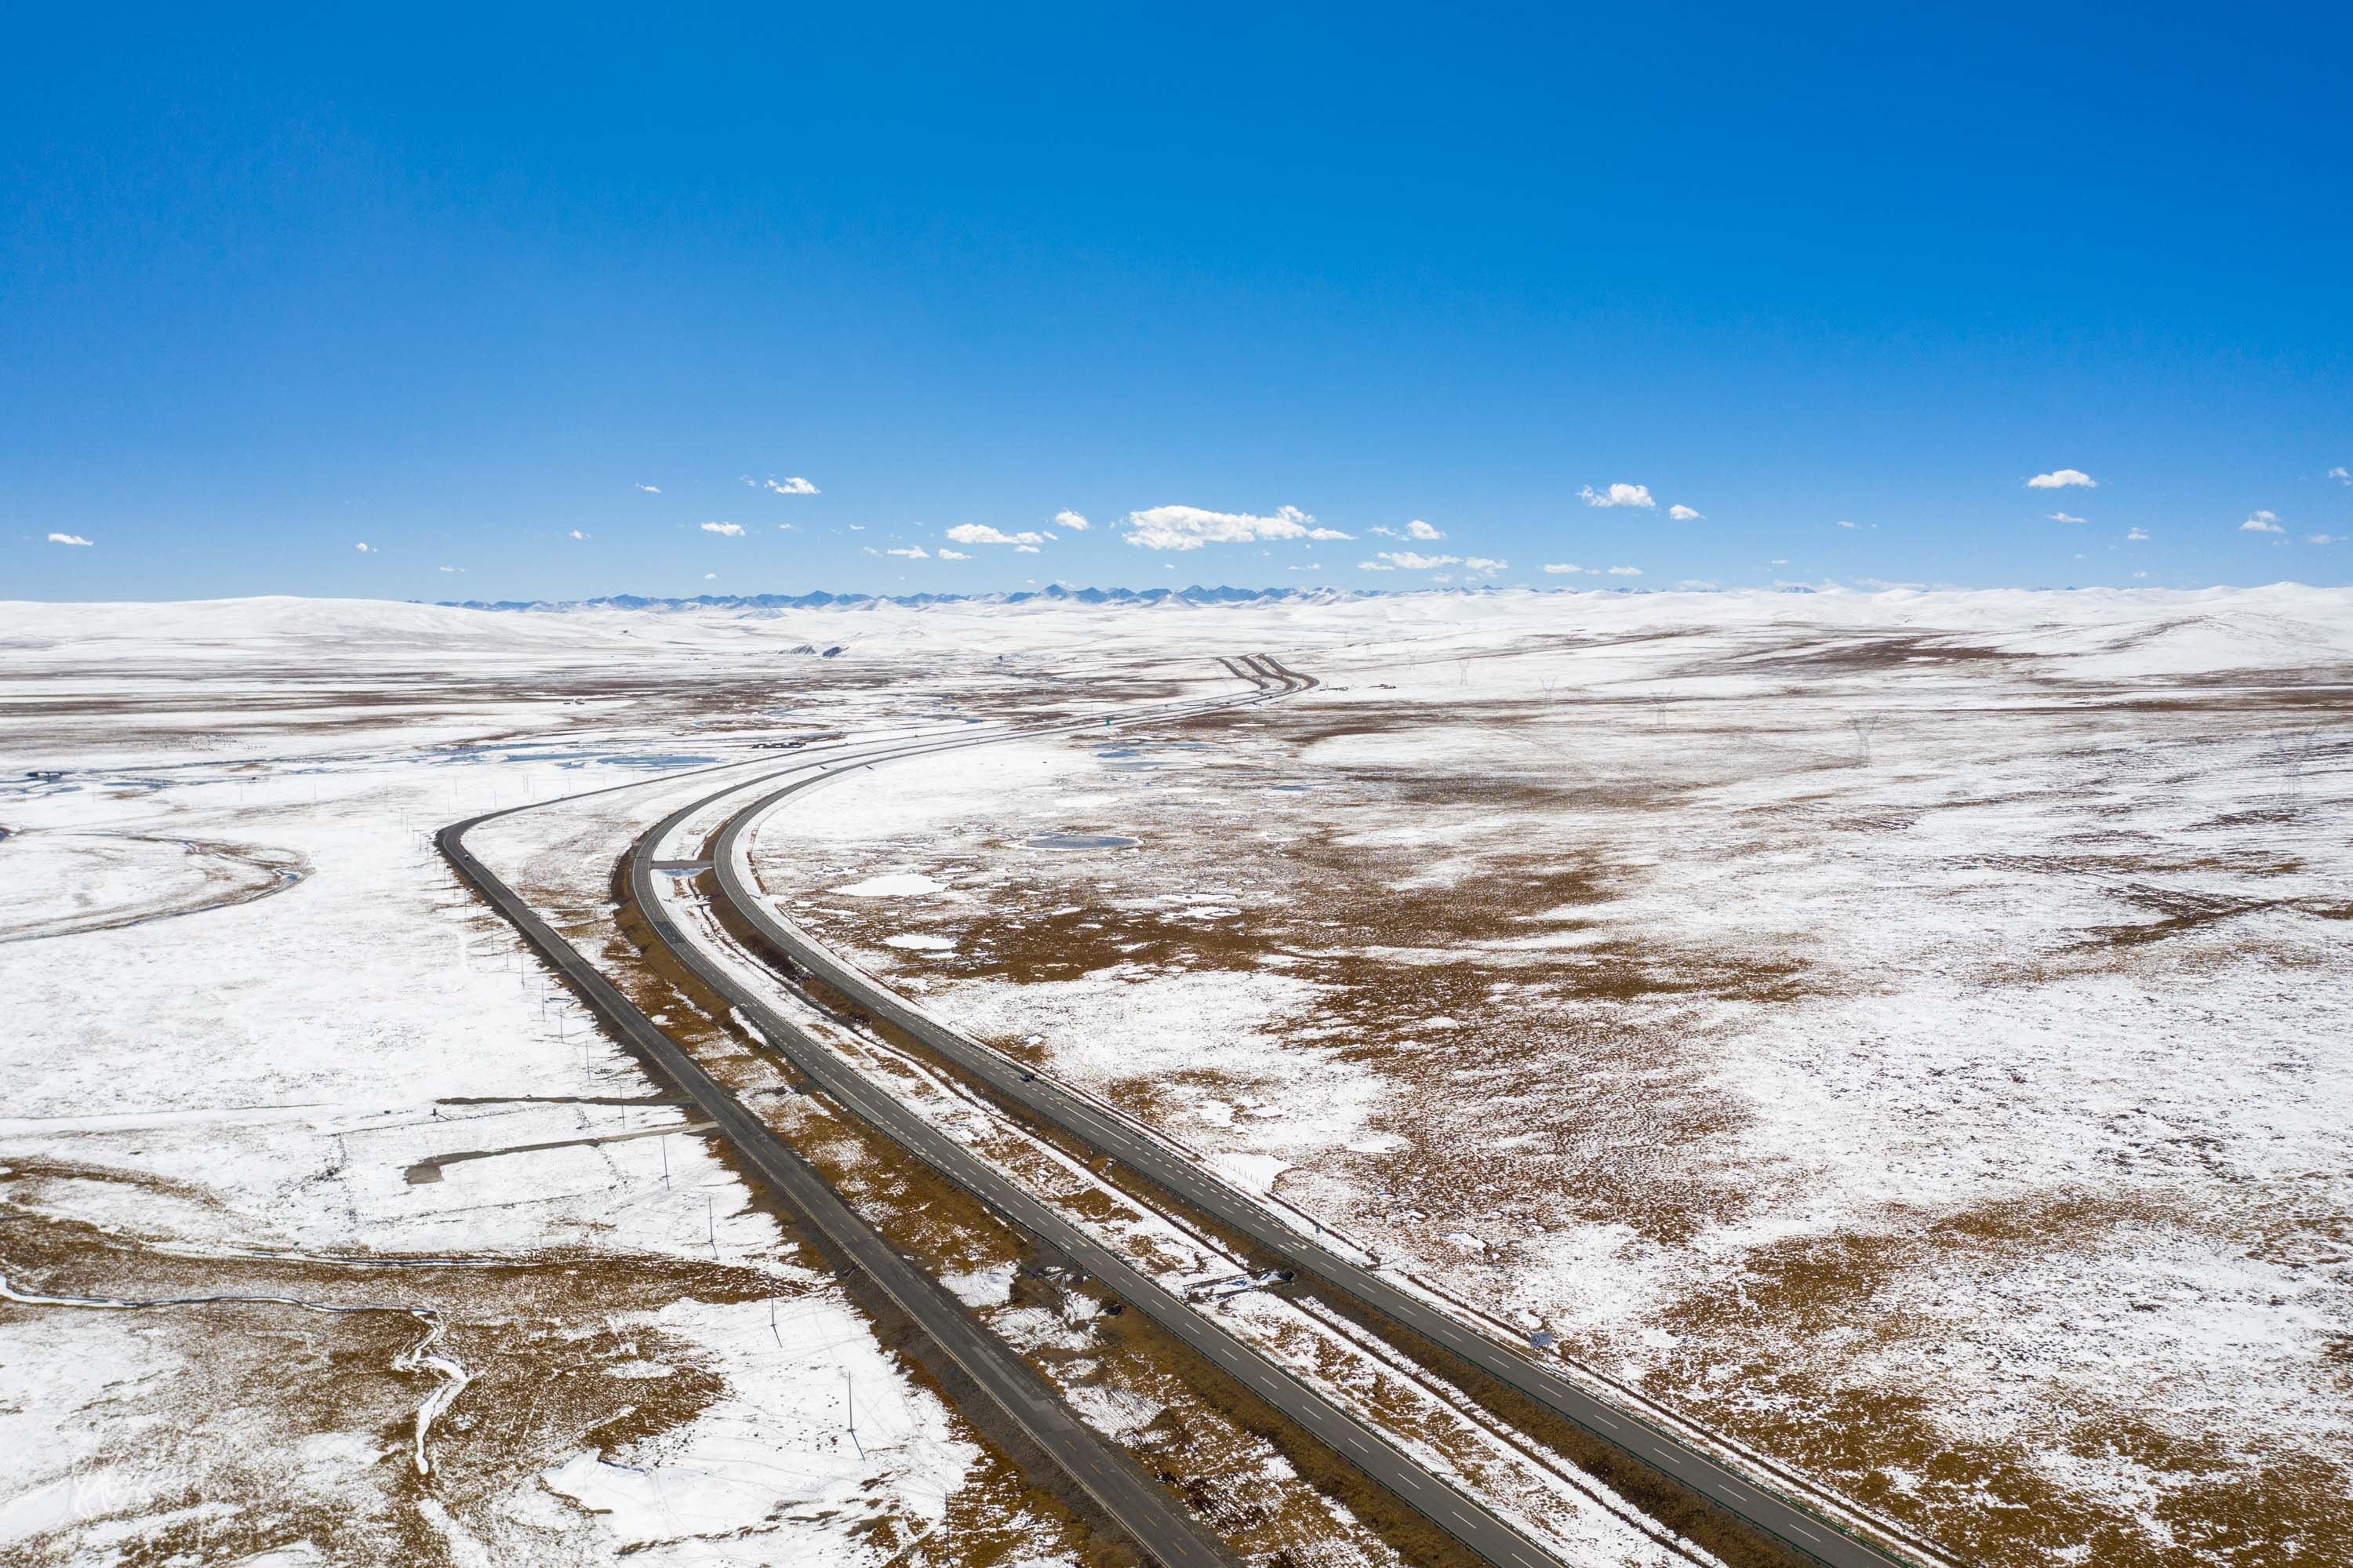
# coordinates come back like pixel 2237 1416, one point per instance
pixel 1137 1505
pixel 1810 1532
pixel 1452 1510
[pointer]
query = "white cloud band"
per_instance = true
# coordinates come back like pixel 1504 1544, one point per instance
pixel 1190 528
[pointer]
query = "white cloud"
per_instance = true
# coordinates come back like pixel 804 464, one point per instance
pixel 1625 571
pixel 2137 534
pixel 732 530
pixel 1414 561
pixel 1485 566
pixel 2063 478
pixel 2262 523
pixel 1418 529
pixel 1842 523
pixel 2064 518
pixel 1310 567
pixel 707 577
pixel 1563 569
pixel 1778 561
pixel 457 569
pixel 1190 528
pixel 650 488
pixel 912 553
pixel 2140 574
pixel 2323 538
pixel 78 539
pixel 1620 494
pixel 1373 566
pixel 789 527
pixel 982 534
pixel 947 554
pixel 1025 549
pixel 796 485
pixel 578 534
pixel 1686 513
pixel 363 550
pixel 857 527
pixel 1883 586
pixel 1074 521
pixel 1695 585
pixel 2341 474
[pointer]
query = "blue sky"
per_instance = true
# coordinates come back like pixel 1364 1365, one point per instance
pixel 540 296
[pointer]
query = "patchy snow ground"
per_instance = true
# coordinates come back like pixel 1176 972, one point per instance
pixel 1909 1032
pixel 259 1044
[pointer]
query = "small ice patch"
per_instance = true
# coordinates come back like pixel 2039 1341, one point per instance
pixel 897 885
pixel 916 942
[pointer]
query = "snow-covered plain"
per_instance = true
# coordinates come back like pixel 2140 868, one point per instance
pixel 227 1081
pixel 1910 1032
pixel 1906 1032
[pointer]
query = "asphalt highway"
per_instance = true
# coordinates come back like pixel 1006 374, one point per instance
pixel 1801 1528
pixel 1159 1526
pixel 1452 1510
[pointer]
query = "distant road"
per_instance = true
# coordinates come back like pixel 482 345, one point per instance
pixel 1162 1529
pixel 1803 1529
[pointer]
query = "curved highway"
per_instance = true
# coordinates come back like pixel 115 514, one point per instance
pixel 1134 1503
pixel 1452 1510
pixel 1801 1528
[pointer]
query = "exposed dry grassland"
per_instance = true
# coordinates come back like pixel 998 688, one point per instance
pixel 1878 1046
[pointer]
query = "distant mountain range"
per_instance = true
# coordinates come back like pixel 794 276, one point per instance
pixel 1053 595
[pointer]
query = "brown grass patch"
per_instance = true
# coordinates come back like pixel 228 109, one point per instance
pixel 536 1332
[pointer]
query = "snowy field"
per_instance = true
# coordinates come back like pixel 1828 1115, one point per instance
pixel 1910 1033
pixel 1907 1033
pixel 259 1045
